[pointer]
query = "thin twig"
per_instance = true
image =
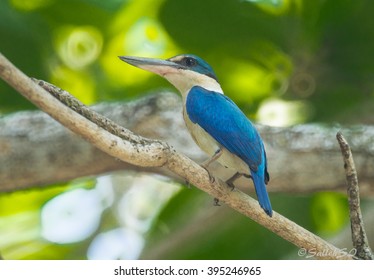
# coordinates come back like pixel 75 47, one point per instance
pixel 141 151
pixel 359 238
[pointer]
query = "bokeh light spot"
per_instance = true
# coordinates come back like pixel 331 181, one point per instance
pixel 143 202
pixel 151 33
pixel 145 38
pixel 247 82
pixel 71 217
pixel 116 244
pixel 78 46
pixel 278 112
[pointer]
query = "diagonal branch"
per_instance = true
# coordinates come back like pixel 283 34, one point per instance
pixel 29 159
pixel 359 238
pixel 141 151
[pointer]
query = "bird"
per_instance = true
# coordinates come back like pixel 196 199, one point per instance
pixel 215 122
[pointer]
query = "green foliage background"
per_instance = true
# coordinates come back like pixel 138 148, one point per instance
pixel 283 62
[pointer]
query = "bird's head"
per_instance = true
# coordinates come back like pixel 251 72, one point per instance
pixel 182 71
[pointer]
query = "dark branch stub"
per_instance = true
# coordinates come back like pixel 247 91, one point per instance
pixel 359 237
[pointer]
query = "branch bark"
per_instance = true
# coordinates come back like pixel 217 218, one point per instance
pixel 35 150
pixel 141 151
pixel 359 237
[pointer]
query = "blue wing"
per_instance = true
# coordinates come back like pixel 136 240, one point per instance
pixel 226 123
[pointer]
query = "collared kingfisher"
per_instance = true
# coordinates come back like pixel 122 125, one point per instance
pixel 215 122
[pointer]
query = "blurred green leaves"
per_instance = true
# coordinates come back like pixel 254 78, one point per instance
pixel 317 53
pixel 190 227
pixel 323 63
pixel 284 62
pixel 329 212
pixel 20 222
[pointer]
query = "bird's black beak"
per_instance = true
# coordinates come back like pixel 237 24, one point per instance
pixel 155 65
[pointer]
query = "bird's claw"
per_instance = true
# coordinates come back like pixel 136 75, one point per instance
pixel 232 179
pixel 216 202
pixel 211 178
pixel 231 185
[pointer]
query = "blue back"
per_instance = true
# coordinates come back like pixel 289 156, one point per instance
pixel 226 123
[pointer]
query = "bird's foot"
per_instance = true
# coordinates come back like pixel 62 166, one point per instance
pixel 231 185
pixel 216 155
pixel 237 175
pixel 211 178
pixel 216 202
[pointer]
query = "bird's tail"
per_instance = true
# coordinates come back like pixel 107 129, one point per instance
pixel 262 194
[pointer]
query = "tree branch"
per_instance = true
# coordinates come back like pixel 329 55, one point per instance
pixel 145 152
pixel 30 159
pixel 359 237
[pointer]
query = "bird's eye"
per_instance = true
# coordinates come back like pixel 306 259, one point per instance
pixel 189 61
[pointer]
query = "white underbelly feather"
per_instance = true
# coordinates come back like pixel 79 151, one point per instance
pixel 209 145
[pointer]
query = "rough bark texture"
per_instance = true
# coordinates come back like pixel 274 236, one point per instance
pixel 35 150
pixel 359 237
pixel 143 152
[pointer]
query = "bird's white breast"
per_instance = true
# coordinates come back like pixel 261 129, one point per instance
pixel 209 145
pixel 184 80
